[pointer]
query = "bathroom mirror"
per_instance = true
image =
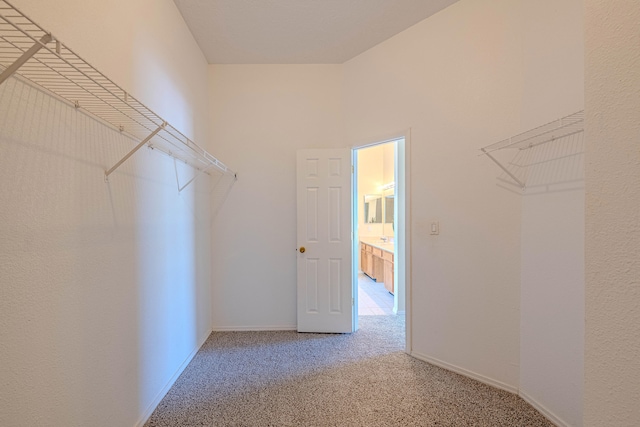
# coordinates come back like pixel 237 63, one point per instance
pixel 373 208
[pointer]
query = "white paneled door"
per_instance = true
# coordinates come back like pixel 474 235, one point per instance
pixel 325 292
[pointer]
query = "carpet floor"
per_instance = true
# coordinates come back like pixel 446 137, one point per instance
pixel 360 379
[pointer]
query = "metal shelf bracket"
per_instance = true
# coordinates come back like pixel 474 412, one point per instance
pixel 136 148
pixel 11 69
pixel 193 178
pixel 512 176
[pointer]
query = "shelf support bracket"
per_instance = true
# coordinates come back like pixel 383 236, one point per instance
pixel 197 174
pixel 512 176
pixel 136 148
pixel 11 69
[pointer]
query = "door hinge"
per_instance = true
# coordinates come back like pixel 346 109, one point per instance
pixel 353 302
pixel 352 169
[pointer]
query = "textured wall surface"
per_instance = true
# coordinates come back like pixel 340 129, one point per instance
pixel 104 288
pixel 260 116
pixel 455 91
pixel 612 98
pixel 552 246
pixel 552 303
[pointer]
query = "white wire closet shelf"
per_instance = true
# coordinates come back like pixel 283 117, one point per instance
pixel 553 131
pixel 29 51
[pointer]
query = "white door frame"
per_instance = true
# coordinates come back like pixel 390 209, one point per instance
pixel 402 274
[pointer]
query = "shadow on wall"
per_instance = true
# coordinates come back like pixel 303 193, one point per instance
pixel 105 286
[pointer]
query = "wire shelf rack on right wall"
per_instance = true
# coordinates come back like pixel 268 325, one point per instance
pixel 536 161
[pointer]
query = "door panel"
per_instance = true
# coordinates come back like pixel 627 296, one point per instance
pixel 324 230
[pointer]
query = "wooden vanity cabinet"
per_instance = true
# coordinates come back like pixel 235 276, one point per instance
pixel 377 264
pixel 366 260
pixel 388 271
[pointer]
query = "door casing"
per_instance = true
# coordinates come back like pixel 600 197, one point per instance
pixel 402 272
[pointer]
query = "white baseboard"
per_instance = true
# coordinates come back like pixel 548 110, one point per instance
pixel 543 410
pixel 254 328
pixel 154 404
pixel 466 373
pixel 494 383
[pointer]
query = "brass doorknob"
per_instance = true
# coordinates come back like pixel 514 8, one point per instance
pixel 302 249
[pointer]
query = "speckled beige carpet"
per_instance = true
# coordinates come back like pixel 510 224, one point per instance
pixel 361 379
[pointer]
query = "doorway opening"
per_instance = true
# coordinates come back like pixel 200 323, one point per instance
pixel 379 224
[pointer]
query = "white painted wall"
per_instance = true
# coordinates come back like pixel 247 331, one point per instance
pixel 105 287
pixel 552 252
pixel 552 303
pixel 457 92
pixel 90 274
pixel 260 116
pixel 612 240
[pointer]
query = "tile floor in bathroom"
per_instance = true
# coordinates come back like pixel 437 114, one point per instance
pixel 373 298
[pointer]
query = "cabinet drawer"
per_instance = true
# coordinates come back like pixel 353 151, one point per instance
pixel 387 256
pixel 377 252
pixel 368 248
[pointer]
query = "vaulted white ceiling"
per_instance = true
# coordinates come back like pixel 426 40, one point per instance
pixel 298 31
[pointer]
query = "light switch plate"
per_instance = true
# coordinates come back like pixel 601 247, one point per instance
pixel 435 228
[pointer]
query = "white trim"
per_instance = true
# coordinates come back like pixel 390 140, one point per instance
pixel 406 256
pixel 549 415
pixel 254 328
pixel 355 244
pixel 466 373
pixel 162 393
pixel 390 137
pixel 400 182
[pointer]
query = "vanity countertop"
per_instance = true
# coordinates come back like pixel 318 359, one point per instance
pixel 377 243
